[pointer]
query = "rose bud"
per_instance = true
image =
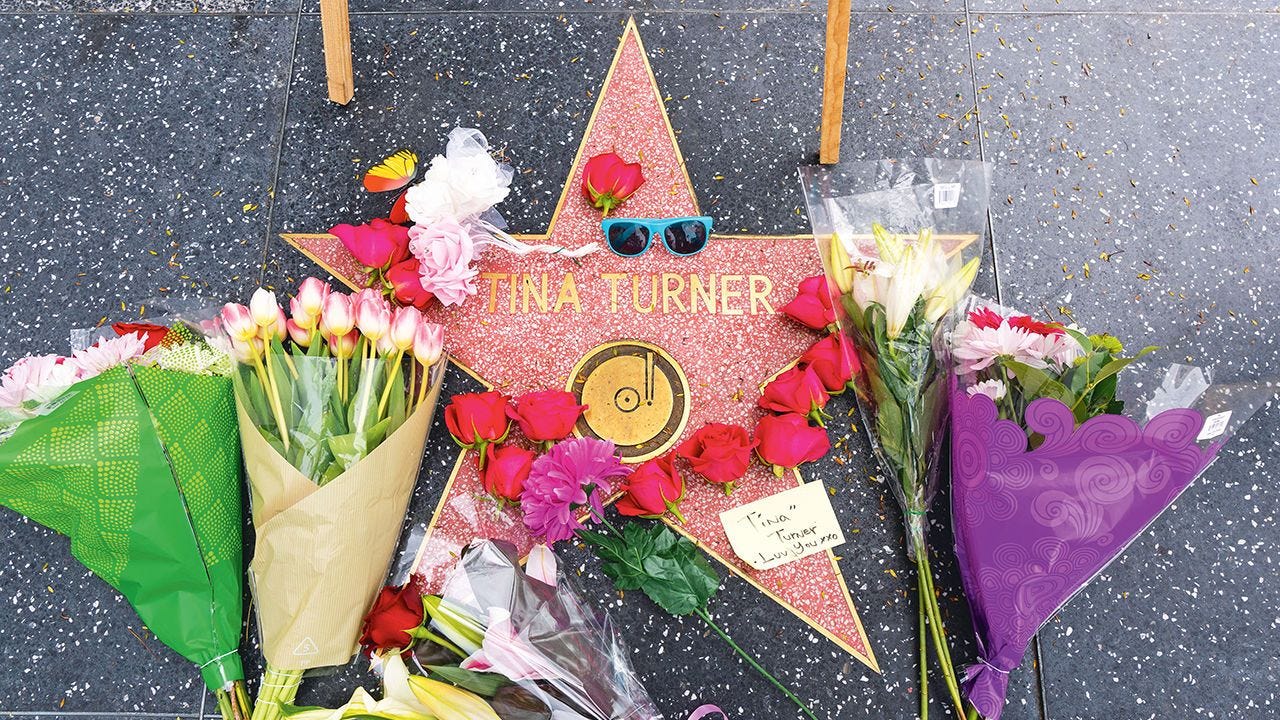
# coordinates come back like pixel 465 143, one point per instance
pixel 834 362
pixel 339 314
pixel 785 441
pixel 150 333
pixel 428 343
pixel 546 416
pixel 607 180
pixel 812 304
pixel 311 296
pixel 406 283
pixel 404 327
pixel 504 475
pixel 238 323
pixel 720 453
pixel 263 308
pixel 301 336
pixel 475 420
pixel 373 317
pixel 396 613
pixel 653 490
pixel 378 244
pixel 798 390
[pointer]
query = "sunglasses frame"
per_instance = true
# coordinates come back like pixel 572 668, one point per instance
pixel 656 226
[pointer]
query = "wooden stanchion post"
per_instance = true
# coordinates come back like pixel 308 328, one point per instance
pixel 336 26
pixel 833 77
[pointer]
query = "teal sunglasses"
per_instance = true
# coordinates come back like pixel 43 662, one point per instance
pixel 631 237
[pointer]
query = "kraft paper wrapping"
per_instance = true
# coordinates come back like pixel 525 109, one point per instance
pixel 322 553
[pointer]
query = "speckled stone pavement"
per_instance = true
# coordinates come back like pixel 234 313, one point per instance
pixel 154 148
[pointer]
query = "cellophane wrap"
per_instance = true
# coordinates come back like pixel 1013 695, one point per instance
pixel 323 549
pixel 140 468
pixel 584 671
pixel 902 394
pixel 1033 526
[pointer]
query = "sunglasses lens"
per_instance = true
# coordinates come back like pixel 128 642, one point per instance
pixel 627 239
pixel 686 238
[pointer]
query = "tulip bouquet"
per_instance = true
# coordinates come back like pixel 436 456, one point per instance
pixel 335 402
pixel 1051 481
pixel 893 289
pixel 129 447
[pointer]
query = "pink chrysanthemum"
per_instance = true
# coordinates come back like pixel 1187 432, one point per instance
pixel 574 474
pixel 106 354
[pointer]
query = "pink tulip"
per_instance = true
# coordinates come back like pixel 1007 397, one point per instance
pixel 404 327
pixel 301 336
pixel 428 343
pixel 373 317
pixel 384 346
pixel 311 296
pixel 305 320
pixel 245 351
pixel 238 323
pixel 339 315
pixel 263 307
pixel 344 346
pixel 364 294
pixel 280 328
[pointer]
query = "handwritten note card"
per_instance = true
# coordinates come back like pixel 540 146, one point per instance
pixel 781 528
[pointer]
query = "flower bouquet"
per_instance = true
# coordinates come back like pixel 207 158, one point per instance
pixel 1053 476
pixel 899 240
pixel 334 406
pixel 129 447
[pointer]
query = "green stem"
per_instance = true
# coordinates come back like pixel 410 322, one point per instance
pixel 279 687
pixel 702 613
pixel 924 579
pixel 972 714
pixel 924 654
pixel 386 392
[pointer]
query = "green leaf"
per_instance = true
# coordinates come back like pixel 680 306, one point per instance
pixel 679 580
pixel 485 684
pixel 1037 383
pixel 623 558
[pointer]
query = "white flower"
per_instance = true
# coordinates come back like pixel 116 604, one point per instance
pixel 463 183
pixel 906 272
pixel 106 354
pixel 994 389
pixel 1060 349
pixel 34 381
pixel 977 348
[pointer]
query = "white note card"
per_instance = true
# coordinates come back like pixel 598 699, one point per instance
pixel 1215 425
pixel 784 527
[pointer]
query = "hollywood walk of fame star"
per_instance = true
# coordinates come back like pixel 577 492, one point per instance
pixel 659 345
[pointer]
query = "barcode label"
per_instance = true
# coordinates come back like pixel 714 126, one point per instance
pixel 1214 426
pixel 946 195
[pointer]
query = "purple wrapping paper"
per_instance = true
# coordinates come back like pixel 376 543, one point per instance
pixel 1033 527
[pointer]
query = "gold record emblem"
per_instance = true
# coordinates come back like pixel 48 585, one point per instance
pixel 636 395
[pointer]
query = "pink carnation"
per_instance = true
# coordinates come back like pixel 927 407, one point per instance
pixel 445 251
pixel 572 475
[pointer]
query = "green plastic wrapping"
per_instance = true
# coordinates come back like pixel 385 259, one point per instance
pixel 140 468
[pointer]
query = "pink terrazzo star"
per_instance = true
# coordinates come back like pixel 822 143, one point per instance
pixel 530 325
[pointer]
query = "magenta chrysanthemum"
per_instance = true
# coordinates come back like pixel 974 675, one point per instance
pixel 574 474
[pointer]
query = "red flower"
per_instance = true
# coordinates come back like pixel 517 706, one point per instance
pixel 546 416
pixel 607 180
pixel 834 362
pixel 719 453
pixel 1035 327
pixel 377 244
pixel 798 390
pixel 504 475
pixel 406 283
pixel 653 489
pixel 812 304
pixel 477 419
pixel 985 318
pixel 396 613
pixel 785 441
pixel 151 334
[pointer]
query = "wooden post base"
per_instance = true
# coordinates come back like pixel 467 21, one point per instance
pixel 833 79
pixel 335 24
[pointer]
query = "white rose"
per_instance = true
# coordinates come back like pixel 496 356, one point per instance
pixel 463 183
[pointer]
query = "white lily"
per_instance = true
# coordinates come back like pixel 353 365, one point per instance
pixel 398 701
pixel 945 296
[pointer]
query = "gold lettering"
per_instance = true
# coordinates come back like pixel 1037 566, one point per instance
pixel 635 294
pixel 705 293
pixel 540 299
pixel 511 285
pixel 671 295
pixel 613 279
pixel 568 294
pixel 726 294
pixel 493 279
pixel 760 288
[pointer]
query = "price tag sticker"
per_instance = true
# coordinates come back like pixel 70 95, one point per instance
pixel 946 195
pixel 1214 426
pixel 784 527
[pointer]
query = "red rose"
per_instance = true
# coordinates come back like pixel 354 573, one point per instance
pixel 798 390
pixel 785 441
pixel 504 475
pixel 1035 327
pixel 652 490
pixel 812 304
pixel 985 318
pixel 406 284
pixel 607 180
pixel 151 334
pixel 396 613
pixel 834 362
pixel 477 419
pixel 719 453
pixel 546 416
pixel 378 244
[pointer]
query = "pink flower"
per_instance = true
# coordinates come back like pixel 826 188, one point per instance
pixel 812 304
pixel 507 652
pixel 373 317
pixel 301 336
pixel 572 475
pixel 428 343
pixel 309 302
pixel 238 323
pixel 994 389
pixel 445 251
pixel 375 245
pixel 404 327
pixel 977 348
pixel 35 380
pixel 106 354
pixel 339 315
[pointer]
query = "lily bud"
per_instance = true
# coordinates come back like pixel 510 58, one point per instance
pixel 311 296
pixel 428 343
pixel 238 323
pixel 447 702
pixel 841 265
pixel 373 317
pixel 404 327
pixel 950 291
pixel 339 314
pixel 263 307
